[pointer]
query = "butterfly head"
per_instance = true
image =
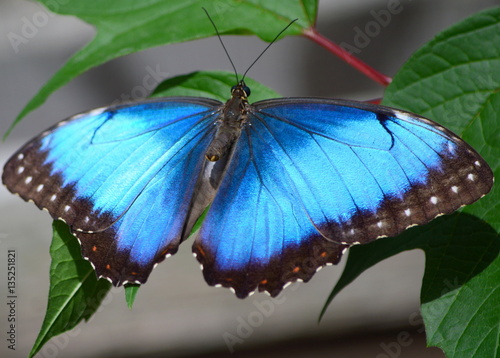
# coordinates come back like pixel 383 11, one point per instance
pixel 240 90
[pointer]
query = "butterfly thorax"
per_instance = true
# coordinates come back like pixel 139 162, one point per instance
pixel 232 117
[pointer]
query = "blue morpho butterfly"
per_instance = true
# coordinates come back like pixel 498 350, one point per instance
pixel 290 183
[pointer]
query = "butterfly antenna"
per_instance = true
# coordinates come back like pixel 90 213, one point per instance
pixel 269 45
pixel 222 43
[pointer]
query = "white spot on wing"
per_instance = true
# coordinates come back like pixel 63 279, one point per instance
pixel 96 111
pixel 28 180
pixel 66 208
pixel 401 115
pixel 407 212
pixel 53 197
pixel 454 189
pixel 470 177
pixel 477 163
pixel 39 188
pixel 20 156
pixel 380 224
pixel 20 170
pixel 434 200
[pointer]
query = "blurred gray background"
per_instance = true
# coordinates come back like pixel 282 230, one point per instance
pixel 176 313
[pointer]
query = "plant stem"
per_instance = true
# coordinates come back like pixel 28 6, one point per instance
pixel 355 62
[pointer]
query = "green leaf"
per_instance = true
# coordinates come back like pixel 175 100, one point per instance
pixel 75 292
pixel 211 84
pixel 458 249
pixel 127 26
pixel 454 80
pixel 471 315
pixel 131 290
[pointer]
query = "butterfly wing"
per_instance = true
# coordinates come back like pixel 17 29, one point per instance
pixel 311 177
pixel 121 178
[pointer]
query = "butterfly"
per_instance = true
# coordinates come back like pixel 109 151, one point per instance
pixel 289 183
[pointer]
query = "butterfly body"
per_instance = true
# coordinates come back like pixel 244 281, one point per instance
pixel 289 183
pixel 232 118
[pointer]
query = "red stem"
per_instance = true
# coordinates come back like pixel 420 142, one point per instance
pixel 355 62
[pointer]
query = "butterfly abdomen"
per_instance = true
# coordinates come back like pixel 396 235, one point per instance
pixel 227 134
